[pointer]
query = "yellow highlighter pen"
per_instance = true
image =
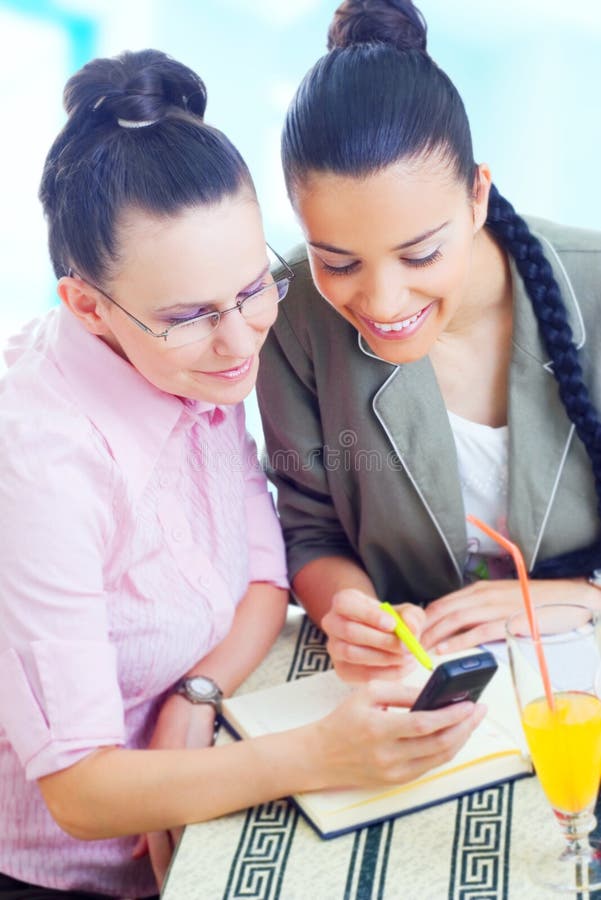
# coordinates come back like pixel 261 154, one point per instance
pixel 405 635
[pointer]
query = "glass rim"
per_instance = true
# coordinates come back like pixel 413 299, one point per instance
pixel 594 617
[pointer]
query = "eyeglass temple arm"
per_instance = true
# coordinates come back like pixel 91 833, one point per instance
pixel 71 273
pixel 291 273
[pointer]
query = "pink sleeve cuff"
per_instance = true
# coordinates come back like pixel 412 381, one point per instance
pixel 267 556
pixel 77 708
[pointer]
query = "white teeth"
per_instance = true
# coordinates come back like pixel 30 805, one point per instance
pixel 236 372
pixel 397 326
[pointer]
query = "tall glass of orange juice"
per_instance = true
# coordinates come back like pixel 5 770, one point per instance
pixel 564 737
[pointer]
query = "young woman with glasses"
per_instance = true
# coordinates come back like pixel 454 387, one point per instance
pixel 437 356
pixel 142 564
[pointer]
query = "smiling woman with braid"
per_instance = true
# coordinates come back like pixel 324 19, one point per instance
pixel 452 369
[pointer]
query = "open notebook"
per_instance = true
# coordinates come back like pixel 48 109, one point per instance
pixel 496 751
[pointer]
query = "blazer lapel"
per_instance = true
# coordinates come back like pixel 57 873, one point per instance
pixel 411 410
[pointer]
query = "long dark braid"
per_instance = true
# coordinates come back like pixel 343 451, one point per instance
pixel 543 290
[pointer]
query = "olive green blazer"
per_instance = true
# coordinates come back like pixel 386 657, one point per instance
pixel 363 456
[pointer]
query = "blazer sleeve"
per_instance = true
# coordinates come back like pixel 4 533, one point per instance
pixel 295 450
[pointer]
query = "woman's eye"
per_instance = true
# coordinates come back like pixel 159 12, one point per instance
pixel 176 320
pixel 424 260
pixel 339 270
pixel 244 295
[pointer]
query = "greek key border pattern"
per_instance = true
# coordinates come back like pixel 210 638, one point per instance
pixel 310 654
pixel 481 846
pixel 260 859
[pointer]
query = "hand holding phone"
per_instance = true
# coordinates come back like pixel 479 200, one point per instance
pixel 456 680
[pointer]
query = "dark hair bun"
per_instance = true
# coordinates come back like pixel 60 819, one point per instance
pixel 138 86
pixel 396 22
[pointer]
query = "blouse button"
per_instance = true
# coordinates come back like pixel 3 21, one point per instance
pixel 178 534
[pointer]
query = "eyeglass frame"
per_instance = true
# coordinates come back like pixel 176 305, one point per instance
pixel 220 313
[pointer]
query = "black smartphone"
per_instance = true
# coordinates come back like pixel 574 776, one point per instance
pixel 458 679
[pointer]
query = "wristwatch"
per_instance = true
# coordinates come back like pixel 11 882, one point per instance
pixel 200 689
pixel 595 578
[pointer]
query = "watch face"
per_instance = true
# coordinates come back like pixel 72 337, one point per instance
pixel 200 689
pixel 202 686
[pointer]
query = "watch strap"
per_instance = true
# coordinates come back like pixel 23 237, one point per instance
pixel 183 688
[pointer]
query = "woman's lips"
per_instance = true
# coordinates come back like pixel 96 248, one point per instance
pixel 236 374
pixel 402 328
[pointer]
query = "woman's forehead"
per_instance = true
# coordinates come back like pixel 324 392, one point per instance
pixel 400 201
pixel 198 251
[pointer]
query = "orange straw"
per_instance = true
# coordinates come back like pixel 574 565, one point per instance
pixel 520 565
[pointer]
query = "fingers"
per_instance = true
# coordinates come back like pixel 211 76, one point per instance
pixel 414 616
pixel 375 741
pixel 160 849
pixel 357 674
pixel 346 650
pixel 404 745
pixel 439 609
pixel 360 636
pixel 473 637
pixel 391 695
pixel 357 618
pixel 140 848
pixel 470 616
pixel 436 749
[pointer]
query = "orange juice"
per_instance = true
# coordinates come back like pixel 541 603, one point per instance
pixel 565 744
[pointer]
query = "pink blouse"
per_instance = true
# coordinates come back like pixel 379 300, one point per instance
pixel 131 524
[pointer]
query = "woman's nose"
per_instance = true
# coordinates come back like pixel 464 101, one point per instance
pixel 235 336
pixel 385 295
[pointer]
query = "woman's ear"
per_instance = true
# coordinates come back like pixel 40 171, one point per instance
pixel 480 193
pixel 82 300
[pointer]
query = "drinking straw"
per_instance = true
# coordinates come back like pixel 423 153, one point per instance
pixel 520 565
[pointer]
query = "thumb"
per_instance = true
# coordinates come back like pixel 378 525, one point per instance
pixel 384 693
pixel 141 847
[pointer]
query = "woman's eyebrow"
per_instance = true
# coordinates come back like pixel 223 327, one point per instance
pixel 416 240
pixel 196 304
pixel 421 237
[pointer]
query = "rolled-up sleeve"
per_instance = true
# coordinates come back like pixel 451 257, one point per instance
pixel 59 691
pixel 267 555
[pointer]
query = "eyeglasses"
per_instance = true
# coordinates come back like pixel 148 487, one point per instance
pixel 255 306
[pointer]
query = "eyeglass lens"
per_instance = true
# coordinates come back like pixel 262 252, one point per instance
pixel 254 306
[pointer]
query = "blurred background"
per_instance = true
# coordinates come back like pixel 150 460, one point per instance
pixel 529 72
